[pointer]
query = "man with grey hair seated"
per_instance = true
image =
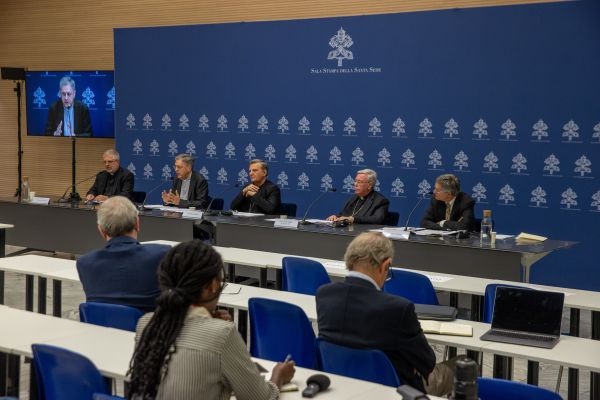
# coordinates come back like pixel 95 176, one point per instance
pixel 113 181
pixel 261 195
pixel 449 209
pixel 366 206
pixel 190 188
pixel 124 271
pixel 357 313
pixel 67 116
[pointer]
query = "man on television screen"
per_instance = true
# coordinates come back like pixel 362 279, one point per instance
pixel 67 116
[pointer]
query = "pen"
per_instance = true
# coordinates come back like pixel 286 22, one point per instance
pixel 287 358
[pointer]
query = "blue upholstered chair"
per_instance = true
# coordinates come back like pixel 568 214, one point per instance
pixel 412 286
pixel 366 364
pixel 63 374
pixel 278 329
pixel 500 389
pixel 110 315
pixel 301 275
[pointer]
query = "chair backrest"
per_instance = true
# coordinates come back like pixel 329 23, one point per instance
pixel 488 300
pixel 412 286
pixel 301 275
pixel 100 396
pixel 366 364
pixel 139 197
pixel 217 204
pixel 278 329
pixel 63 374
pixel 110 315
pixel 392 218
pixel 288 209
pixel 500 389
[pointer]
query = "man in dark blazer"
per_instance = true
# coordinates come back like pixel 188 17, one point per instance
pixel 356 313
pixel 124 271
pixel 261 195
pixel 190 188
pixel 449 209
pixel 67 116
pixel 366 206
pixel 113 181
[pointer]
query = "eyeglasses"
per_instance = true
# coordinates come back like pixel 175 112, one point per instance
pixel 390 274
pixel 361 182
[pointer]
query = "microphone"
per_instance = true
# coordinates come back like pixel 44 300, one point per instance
pixel 315 384
pixel 62 198
pixel 208 211
pixel 415 207
pixel 142 206
pixel 304 222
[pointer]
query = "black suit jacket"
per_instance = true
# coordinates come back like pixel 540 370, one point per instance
pixel 81 118
pixel 354 313
pixel 267 200
pixel 373 210
pixel 461 217
pixel 198 193
pixel 123 184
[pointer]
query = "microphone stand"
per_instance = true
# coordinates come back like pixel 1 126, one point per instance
pixel 74 197
pixel 211 213
pixel 304 221
pixel 414 208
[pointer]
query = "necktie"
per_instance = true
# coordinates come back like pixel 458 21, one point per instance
pixel 448 210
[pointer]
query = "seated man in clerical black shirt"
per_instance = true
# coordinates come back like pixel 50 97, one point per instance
pixel 190 188
pixel 261 195
pixel 366 206
pixel 449 209
pixel 113 181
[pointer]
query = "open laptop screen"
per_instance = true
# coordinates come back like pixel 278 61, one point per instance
pixel 527 310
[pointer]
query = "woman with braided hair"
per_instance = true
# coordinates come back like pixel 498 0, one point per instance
pixel 187 349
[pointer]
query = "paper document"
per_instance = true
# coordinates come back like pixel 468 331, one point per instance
pixel 335 264
pixel 320 222
pixel 154 206
pixel 446 328
pixel 438 278
pixel 246 214
pixel 433 232
pixel 401 229
pixel 530 236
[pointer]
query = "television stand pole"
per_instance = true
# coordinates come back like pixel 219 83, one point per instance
pixel 74 197
pixel 19 141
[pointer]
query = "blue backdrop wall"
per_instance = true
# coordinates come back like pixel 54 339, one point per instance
pixel 504 97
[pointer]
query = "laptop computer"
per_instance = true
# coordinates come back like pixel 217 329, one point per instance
pixel 526 317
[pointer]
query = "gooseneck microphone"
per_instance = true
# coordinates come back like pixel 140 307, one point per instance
pixel 316 384
pixel 415 207
pixel 208 212
pixel 304 221
pixel 62 198
pixel 142 206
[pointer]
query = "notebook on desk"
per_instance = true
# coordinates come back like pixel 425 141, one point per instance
pixel 526 317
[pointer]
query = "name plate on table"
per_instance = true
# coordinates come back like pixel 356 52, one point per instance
pixel 286 223
pixel 40 200
pixel 191 214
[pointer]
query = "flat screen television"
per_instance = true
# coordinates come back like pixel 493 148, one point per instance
pixel 55 108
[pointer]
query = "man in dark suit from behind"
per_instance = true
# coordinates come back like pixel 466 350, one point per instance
pixel 68 116
pixel 366 206
pixel 190 188
pixel 113 181
pixel 124 271
pixel 449 209
pixel 261 195
pixel 357 313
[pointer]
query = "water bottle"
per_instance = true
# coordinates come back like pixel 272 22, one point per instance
pixel 465 380
pixel 486 226
pixel 25 189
